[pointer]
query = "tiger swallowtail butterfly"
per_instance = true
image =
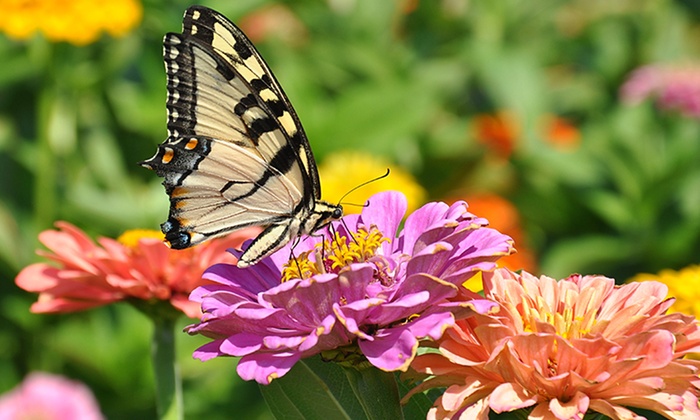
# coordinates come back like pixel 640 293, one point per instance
pixel 236 154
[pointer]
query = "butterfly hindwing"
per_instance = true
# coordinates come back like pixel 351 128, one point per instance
pixel 236 154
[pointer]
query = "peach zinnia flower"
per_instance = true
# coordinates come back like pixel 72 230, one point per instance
pixel 564 348
pixel 684 285
pixel 138 266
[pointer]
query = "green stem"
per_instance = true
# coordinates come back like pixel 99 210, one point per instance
pixel 166 369
pixel 45 163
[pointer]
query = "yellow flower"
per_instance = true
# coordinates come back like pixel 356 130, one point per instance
pixel 684 285
pixel 79 22
pixel 343 171
pixel 131 238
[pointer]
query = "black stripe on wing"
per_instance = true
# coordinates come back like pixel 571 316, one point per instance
pixel 184 99
pixel 233 47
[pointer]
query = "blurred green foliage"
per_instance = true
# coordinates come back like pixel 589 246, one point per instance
pixel 398 78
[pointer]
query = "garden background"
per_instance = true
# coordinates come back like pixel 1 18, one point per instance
pixel 531 112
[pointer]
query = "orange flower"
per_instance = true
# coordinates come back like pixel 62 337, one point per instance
pixel 500 132
pixel 274 20
pixel 88 275
pixel 561 133
pixel 504 217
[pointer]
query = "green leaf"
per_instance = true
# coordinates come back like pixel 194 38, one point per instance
pixel 315 389
pixel 417 407
pixel 612 207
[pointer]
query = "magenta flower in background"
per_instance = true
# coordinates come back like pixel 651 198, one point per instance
pixel 673 86
pixel 379 292
pixel 562 348
pixel 42 396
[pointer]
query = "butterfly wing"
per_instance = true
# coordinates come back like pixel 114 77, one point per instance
pixel 236 154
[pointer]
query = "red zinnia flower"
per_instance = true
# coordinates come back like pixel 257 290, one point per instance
pixel 138 266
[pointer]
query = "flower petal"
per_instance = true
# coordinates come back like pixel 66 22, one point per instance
pixel 385 211
pixel 509 397
pixel 392 349
pixel 265 367
pixel 575 408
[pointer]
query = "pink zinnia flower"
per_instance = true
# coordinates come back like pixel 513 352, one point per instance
pixel 85 275
pixel 564 348
pixel 673 86
pixel 49 397
pixel 379 292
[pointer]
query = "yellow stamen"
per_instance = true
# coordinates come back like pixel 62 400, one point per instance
pixel 300 267
pixel 336 254
pixel 566 321
pixel 362 248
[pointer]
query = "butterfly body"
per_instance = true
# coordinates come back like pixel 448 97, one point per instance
pixel 236 154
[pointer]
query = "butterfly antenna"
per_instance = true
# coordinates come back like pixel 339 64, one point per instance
pixel 361 205
pixel 365 183
pixel 366 204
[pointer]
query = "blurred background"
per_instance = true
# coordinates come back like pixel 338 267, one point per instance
pixel 573 126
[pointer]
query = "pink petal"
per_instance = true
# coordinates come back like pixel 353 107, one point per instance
pixel 208 351
pixel 393 349
pixel 419 221
pixel 45 396
pixel 385 210
pixel 575 408
pixel 509 397
pixel 265 367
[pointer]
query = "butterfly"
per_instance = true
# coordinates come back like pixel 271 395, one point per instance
pixel 236 154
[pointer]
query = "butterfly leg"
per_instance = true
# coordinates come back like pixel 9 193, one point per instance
pixel 292 256
pixel 347 229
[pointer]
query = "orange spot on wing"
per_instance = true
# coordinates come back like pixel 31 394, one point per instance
pixel 191 144
pixel 167 156
pixel 178 192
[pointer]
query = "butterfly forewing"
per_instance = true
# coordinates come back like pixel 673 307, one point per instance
pixel 236 154
pixel 261 102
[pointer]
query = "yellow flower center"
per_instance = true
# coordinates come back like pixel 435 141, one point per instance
pixel 130 238
pixel 575 317
pixel 331 256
